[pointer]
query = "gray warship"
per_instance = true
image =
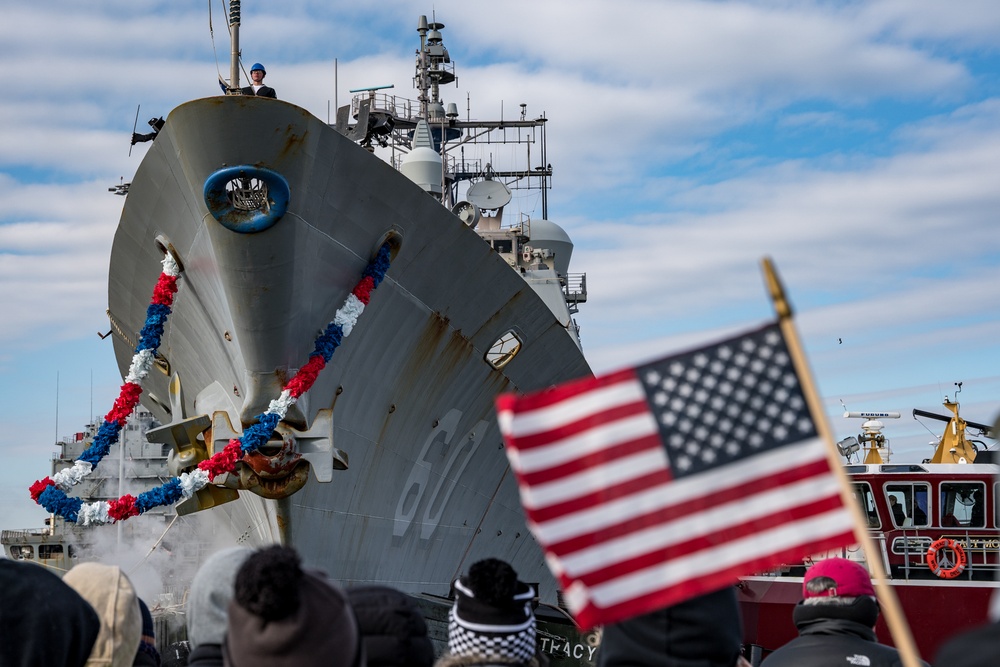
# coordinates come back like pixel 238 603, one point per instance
pixel 391 469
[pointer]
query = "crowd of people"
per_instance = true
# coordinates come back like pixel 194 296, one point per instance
pixel 249 608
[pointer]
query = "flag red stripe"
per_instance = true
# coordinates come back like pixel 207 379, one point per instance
pixel 549 397
pixel 702 583
pixel 595 460
pixel 687 546
pixel 714 496
pixel 640 523
pixel 581 425
pixel 653 479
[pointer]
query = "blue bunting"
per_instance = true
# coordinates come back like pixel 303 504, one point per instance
pixel 156 319
pixel 328 342
pixel 377 269
pixel 259 433
pixel 57 502
pixel 107 435
pixel 167 494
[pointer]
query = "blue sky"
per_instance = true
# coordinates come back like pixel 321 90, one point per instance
pixel 855 143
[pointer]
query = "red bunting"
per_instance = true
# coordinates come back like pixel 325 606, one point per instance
pixel 306 376
pixel 39 486
pixel 124 404
pixel 122 508
pixel 363 290
pixel 224 461
pixel 166 287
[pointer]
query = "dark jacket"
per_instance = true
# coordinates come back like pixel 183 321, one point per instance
pixel 392 627
pixel 833 635
pixel 705 631
pixel 206 655
pixel 264 91
pixel 979 647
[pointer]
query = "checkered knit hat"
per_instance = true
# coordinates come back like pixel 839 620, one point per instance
pixel 492 616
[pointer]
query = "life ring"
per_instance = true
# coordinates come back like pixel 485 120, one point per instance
pixel 944 568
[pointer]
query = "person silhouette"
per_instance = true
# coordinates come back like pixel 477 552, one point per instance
pixel 898 513
pixel 257 88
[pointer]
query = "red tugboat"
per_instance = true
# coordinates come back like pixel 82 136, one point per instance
pixel 935 524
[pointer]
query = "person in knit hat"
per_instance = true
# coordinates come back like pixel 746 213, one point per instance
pixel 704 631
pixel 836 620
pixel 43 621
pixel 492 621
pixel 110 592
pixel 283 616
pixel 208 605
pixel 392 627
pixel 147 656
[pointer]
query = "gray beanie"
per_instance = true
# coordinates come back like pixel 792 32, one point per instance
pixel 211 591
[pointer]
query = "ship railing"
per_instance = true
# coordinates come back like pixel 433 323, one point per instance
pixel 575 290
pixel 394 105
pixel 16 535
pixel 981 552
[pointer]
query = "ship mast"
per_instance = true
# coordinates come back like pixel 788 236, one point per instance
pixel 234 45
pixel 954 446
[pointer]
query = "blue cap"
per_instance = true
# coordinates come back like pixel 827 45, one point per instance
pixel 258 66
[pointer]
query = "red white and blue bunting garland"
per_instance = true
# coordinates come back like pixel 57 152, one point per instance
pixel 50 492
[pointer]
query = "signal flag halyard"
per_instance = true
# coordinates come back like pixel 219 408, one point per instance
pixel 654 484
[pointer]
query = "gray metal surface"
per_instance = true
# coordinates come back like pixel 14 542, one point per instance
pixel 428 490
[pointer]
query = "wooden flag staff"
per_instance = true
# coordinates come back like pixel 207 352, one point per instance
pixel 891 610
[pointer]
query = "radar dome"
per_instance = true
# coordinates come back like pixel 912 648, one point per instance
pixel 422 164
pixel 549 235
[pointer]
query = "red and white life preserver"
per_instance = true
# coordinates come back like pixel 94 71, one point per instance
pixel 943 567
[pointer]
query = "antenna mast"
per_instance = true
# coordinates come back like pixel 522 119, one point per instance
pixel 234 41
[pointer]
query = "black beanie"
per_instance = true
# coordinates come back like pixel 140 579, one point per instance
pixel 492 616
pixel 43 620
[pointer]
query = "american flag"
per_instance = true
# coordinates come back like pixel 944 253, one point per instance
pixel 658 483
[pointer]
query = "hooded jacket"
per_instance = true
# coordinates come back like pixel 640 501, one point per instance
pixel 705 631
pixel 110 592
pixel 42 620
pixel 979 647
pixel 835 635
pixel 208 604
pixel 392 627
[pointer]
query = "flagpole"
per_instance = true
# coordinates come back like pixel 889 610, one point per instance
pixel 891 609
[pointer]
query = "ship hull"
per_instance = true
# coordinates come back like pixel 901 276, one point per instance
pixel 409 392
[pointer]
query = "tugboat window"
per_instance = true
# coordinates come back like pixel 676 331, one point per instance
pixel 865 497
pixel 996 505
pixel 22 553
pixel 48 551
pixel 908 503
pixel 963 504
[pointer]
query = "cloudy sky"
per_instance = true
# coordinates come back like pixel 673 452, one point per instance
pixel 857 144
